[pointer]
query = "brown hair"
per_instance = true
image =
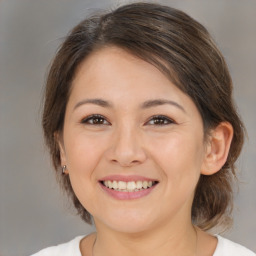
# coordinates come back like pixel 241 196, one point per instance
pixel 184 51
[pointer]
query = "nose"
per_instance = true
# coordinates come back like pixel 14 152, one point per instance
pixel 126 147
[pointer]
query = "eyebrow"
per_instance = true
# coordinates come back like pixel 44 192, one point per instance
pixel 99 102
pixel 159 102
pixel 144 105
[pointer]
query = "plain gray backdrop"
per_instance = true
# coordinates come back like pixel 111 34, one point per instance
pixel 33 212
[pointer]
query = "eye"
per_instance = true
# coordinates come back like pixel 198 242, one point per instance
pixel 95 120
pixel 160 120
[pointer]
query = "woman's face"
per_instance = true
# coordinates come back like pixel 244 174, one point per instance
pixel 133 143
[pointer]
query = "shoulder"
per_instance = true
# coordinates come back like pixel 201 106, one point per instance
pixel 226 247
pixel 70 248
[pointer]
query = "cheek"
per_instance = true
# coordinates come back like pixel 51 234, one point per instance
pixel 180 157
pixel 83 155
pixel 83 152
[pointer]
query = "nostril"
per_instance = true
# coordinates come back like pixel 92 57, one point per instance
pixel 125 162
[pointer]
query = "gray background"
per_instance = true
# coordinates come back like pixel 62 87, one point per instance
pixel 33 212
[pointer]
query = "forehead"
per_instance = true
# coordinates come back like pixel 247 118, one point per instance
pixel 114 67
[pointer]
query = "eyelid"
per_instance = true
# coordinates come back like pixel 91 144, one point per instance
pixel 90 117
pixel 170 120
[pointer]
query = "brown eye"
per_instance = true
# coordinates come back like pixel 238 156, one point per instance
pixel 95 120
pixel 160 120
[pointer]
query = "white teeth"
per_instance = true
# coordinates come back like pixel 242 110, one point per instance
pixel 145 184
pixel 131 185
pixel 114 184
pixel 121 185
pixel 128 186
pixel 139 184
pixel 109 184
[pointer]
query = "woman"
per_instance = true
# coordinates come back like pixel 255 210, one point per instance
pixel 143 134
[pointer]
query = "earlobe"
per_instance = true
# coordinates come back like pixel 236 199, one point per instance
pixel 217 148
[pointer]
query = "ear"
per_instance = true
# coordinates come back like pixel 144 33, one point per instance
pixel 217 148
pixel 59 141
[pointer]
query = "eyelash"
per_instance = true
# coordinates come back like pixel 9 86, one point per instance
pixel 97 119
pixel 164 120
pixel 94 119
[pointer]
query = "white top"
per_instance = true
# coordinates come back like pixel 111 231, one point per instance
pixel 225 247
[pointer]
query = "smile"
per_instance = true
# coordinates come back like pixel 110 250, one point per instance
pixel 130 186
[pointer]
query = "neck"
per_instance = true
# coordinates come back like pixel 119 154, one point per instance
pixel 176 240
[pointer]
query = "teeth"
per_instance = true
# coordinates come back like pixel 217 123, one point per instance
pixel 139 184
pixel 114 185
pixel 108 184
pixel 121 185
pixel 145 184
pixel 131 186
pixel 128 186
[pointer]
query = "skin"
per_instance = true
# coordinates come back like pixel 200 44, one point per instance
pixel 128 140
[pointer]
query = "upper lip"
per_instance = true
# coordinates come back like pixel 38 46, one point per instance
pixel 126 178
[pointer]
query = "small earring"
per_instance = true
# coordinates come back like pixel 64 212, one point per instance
pixel 64 168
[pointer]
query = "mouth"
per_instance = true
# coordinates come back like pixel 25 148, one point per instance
pixel 130 186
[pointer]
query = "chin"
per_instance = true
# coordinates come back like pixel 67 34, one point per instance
pixel 130 223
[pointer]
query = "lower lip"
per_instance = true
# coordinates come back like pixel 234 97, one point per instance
pixel 127 195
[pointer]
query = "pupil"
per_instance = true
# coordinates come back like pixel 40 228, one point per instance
pixel 159 121
pixel 98 120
